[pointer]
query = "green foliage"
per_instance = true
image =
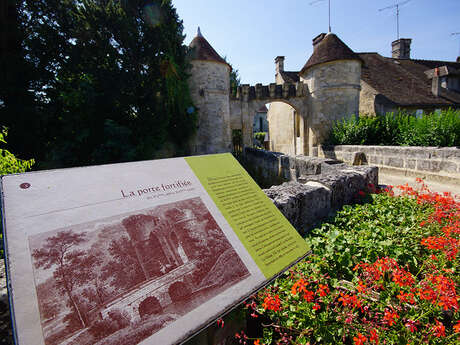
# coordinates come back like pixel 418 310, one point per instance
pixel 387 226
pixel 235 79
pixel 109 80
pixel 435 129
pixel 9 164
pixel 383 272
pixel 260 136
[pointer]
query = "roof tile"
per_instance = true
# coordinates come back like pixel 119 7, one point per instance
pixel 404 82
pixel 200 49
pixel 330 48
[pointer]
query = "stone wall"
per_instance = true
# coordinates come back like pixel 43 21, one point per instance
pixel 210 90
pixel 334 88
pixel 367 99
pixel 431 163
pixel 306 188
pixel 273 168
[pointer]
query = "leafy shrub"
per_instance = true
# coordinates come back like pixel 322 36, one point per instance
pixel 115 321
pixel 355 131
pixel 102 328
pixel 260 136
pixel 9 164
pixel 435 129
pixel 381 273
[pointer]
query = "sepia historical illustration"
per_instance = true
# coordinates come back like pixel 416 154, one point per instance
pixel 121 279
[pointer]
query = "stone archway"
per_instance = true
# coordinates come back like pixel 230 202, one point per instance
pixel 155 261
pixel 149 306
pixel 250 99
pixel 288 131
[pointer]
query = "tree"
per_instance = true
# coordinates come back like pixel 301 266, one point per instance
pixel 235 79
pixel 110 79
pixel 18 106
pixel 71 267
pixel 95 291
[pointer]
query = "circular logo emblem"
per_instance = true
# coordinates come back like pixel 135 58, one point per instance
pixel 24 185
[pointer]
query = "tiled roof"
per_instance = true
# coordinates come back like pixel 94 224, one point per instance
pixel 290 77
pixel 200 49
pixel 330 48
pixel 404 82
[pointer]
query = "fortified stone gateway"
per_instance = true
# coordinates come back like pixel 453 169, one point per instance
pixel 335 83
pixel 156 245
pixel 327 90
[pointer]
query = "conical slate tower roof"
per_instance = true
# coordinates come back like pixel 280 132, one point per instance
pixel 331 48
pixel 200 49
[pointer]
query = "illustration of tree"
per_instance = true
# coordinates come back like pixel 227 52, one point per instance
pixel 124 270
pixel 49 301
pixel 96 291
pixel 71 266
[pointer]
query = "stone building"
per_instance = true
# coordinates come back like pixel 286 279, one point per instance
pixel 210 91
pixel 334 83
pixel 260 120
pixel 399 82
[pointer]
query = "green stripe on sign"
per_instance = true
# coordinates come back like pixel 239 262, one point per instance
pixel 266 234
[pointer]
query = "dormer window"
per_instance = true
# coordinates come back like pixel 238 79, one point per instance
pixel 443 81
pixel 444 78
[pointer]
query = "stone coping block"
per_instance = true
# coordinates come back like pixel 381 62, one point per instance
pixel 303 205
pixel 313 197
pixel 306 189
pixel 272 168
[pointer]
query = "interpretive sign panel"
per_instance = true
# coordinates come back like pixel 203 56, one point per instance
pixel 137 253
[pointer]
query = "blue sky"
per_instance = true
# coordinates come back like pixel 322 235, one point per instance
pixel 252 33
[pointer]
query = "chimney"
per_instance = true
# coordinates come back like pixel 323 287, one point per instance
pixel 318 39
pixel 400 49
pixel 279 64
pixel 436 83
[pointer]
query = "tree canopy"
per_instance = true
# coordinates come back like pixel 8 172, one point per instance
pixel 102 81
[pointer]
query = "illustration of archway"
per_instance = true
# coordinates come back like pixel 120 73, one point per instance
pixel 156 261
pixel 149 306
pixel 179 292
pixel 176 245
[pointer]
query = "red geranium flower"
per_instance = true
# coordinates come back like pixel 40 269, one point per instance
pixel 390 317
pixel 438 330
pixel 323 290
pixel 457 327
pixel 374 336
pixel 309 296
pixel 360 339
pixel 271 303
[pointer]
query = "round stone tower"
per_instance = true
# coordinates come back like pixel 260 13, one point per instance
pixel 210 89
pixel 333 75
